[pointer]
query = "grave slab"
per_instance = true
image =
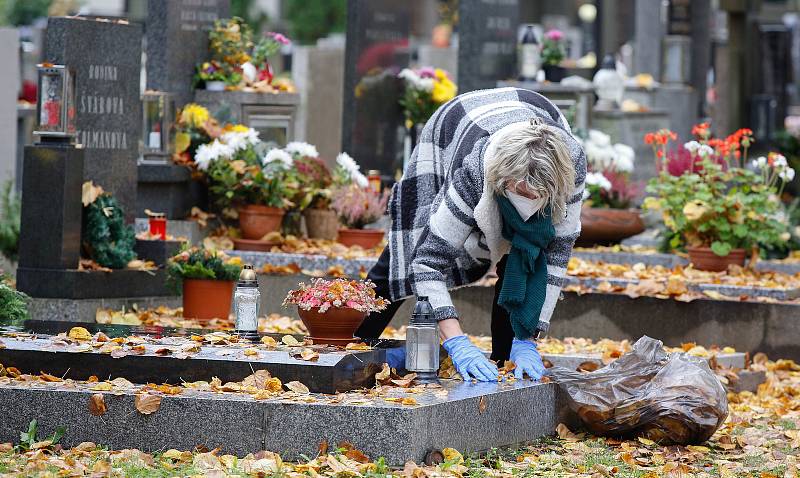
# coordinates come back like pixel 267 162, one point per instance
pixel 572 361
pixel 470 417
pixel 351 267
pixel 335 370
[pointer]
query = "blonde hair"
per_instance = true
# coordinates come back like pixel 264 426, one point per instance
pixel 538 157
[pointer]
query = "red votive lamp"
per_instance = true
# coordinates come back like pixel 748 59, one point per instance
pixel 158 226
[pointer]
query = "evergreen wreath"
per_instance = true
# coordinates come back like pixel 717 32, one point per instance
pixel 107 239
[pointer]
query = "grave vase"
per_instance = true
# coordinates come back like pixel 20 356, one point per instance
pixel 321 223
pixel 366 238
pixel 205 299
pixel 215 85
pixel 335 326
pixel 602 226
pixel 704 259
pixel 256 221
pixel 554 73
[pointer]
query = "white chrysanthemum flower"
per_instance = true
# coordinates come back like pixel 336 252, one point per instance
pixel 625 156
pixel 599 180
pixel 779 161
pixel 208 153
pixel 409 75
pixel 599 138
pixel 360 179
pixel 239 140
pixel 787 174
pixel 425 84
pixel 601 157
pixel 302 149
pixel 347 163
pixel 279 155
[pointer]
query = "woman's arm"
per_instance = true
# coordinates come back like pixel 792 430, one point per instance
pixel 442 242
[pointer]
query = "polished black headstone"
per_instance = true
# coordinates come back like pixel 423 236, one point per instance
pixel 157 251
pixel 334 370
pixel 177 40
pixel 377 49
pixel 487 43
pixel 50 229
pixel 169 189
pixel 106 56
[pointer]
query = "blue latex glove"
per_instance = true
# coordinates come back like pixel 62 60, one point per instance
pixel 469 360
pixel 527 359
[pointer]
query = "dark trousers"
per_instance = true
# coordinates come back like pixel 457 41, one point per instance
pixel 502 333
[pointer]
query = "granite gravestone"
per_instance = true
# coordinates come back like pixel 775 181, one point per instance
pixel 487 49
pixel 177 40
pixel 106 56
pixel 376 51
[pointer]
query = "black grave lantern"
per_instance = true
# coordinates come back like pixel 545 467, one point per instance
pixel 55 107
pixel 158 116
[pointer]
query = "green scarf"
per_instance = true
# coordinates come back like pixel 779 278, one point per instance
pixel 525 277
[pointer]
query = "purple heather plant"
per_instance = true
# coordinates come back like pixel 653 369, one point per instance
pixel 357 207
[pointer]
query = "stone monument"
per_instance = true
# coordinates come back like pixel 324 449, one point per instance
pixel 177 40
pixel 106 56
pixel 376 51
pixel 487 49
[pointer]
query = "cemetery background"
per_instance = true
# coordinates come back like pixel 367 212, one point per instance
pixel 345 96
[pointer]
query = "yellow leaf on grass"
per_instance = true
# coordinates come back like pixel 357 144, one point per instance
pixel 565 434
pixel 296 387
pixel 97 405
pixel 698 449
pixel 646 442
pixel 146 403
pixel 453 456
pixel 79 333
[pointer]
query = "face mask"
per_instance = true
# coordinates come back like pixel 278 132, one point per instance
pixel 526 207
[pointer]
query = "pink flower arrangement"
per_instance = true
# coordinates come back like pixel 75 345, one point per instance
pixel 324 294
pixel 357 206
pixel 554 35
pixel 279 37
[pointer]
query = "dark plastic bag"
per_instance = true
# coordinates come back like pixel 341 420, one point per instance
pixel 667 398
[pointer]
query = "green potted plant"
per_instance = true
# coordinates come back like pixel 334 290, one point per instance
pixel 552 54
pixel 715 207
pixel 211 75
pixel 257 189
pixel 332 310
pixel 206 279
pixel 608 214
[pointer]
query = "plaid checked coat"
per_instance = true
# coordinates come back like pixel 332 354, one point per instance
pixel 446 225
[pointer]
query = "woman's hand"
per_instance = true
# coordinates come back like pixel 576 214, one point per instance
pixel 469 360
pixel 527 359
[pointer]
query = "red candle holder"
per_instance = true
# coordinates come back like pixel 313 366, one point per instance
pixel 158 227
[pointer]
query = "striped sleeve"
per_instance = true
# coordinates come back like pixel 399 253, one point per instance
pixel 567 231
pixel 442 242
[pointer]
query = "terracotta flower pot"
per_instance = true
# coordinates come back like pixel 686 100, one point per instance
pixel 366 238
pixel 206 299
pixel 257 221
pixel 335 327
pixel 321 223
pixel 704 259
pixel 601 226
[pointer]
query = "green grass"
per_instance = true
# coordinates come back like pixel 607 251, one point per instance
pixel 133 470
pixel 787 424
